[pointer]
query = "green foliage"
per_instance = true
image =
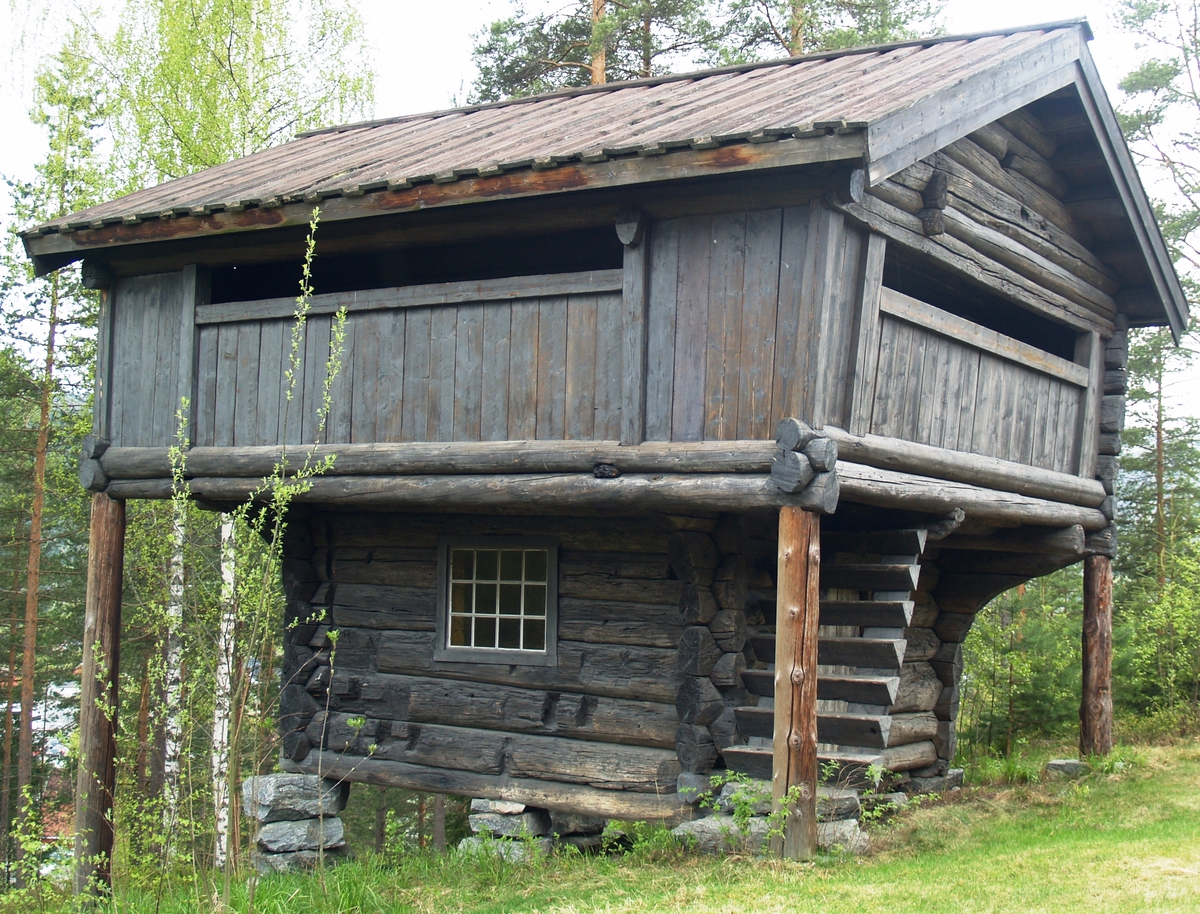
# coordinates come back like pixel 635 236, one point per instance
pixel 537 51
pixel 200 82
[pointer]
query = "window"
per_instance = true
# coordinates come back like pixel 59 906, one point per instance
pixel 497 600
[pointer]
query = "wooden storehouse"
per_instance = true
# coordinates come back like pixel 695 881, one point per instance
pixel 681 423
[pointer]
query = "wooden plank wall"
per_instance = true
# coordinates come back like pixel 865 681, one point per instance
pixel 605 716
pixel 534 368
pixel 936 390
pixel 145 344
pixel 750 320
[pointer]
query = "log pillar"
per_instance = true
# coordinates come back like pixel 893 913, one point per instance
pixel 795 741
pixel 1096 708
pixel 96 780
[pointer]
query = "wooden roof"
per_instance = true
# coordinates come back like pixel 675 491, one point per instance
pixel 886 106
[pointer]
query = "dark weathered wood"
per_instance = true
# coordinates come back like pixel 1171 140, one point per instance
pixel 1067 541
pixel 870 731
pixel 794 777
pixel 99 700
pixel 990 472
pixel 543 794
pixel 697 604
pixel 634 318
pixel 910 728
pixel 698 701
pixel 448 293
pixel 1096 709
pixel 919 689
pixel 694 557
pixel 865 353
pixel 727 672
pixel 877 613
pixel 884 542
pixel 695 747
pixel 869 576
pixel 698 651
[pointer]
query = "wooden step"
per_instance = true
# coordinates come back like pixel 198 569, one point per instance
pixel 867 730
pixel 867 690
pixel 872 653
pixel 881 613
pixel 870 576
pixel 875 542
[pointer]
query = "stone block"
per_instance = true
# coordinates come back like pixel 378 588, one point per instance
pixel 571 823
pixel 301 835
pixel 281 797
pixel 1069 767
pixel 512 851
pixel 532 823
pixel 845 835
pixel 952 780
pixel 720 835
pixel 296 861
pixel 501 807
pixel 692 787
pixel 837 803
pixel 756 792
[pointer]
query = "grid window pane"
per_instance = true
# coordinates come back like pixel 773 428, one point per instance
pixel 498 598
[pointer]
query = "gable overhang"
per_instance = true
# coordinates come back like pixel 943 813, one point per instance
pixel 1061 61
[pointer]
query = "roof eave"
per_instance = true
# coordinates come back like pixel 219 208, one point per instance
pixel 51 251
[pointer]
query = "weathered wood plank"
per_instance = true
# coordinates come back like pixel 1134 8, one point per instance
pixel 497 329
pixel 580 411
pixel 468 373
pixel 552 369
pixel 610 372
pixel 864 359
pixel 791 339
pixel 205 409
pixel 725 308
pixel 524 368
pixel 367 401
pixel 448 293
pixel 443 339
pixel 660 329
pixel 634 338
pixel 760 302
pixel 415 401
pixel 691 329
pixel 246 395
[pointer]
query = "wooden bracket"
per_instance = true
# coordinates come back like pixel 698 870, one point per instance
pixel 95 276
pixel 631 227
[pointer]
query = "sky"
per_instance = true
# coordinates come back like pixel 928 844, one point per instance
pixel 423 60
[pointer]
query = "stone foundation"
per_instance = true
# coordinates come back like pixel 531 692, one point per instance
pixel 297 820
pixel 511 829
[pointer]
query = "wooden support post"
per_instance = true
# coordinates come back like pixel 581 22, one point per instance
pixel 1096 709
pixel 96 779
pixel 439 823
pixel 795 748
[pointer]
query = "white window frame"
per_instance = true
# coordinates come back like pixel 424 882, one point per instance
pixel 446 652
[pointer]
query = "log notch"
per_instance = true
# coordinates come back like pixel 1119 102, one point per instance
pixel 1096 709
pixel 98 701
pixel 795 748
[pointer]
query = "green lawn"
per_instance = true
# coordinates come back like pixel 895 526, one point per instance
pixel 1125 842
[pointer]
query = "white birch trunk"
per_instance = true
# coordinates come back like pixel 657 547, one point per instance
pixel 173 675
pixel 222 705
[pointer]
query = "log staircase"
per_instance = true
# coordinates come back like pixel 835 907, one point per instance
pixel 867 584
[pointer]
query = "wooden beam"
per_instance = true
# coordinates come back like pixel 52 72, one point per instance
pixel 865 354
pixel 98 701
pixel 1096 708
pixel 990 472
pixel 794 781
pixel 1089 351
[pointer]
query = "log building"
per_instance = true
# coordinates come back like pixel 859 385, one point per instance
pixel 681 423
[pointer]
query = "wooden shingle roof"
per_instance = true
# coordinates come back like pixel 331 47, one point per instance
pixel 885 106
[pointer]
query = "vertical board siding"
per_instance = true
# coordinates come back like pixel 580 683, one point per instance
pixel 146 360
pixel 934 390
pixel 660 329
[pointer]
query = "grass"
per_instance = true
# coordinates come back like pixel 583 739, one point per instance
pixel 1123 841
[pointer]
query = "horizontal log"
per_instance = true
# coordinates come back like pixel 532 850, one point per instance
pixel 617 671
pixel 1067 541
pixel 425 458
pixel 919 689
pixel 867 690
pixel 503 707
pixel 869 576
pixel 545 794
pixel 876 542
pixel 756 762
pixel 872 653
pixel 836 728
pixel 891 489
pixel 912 728
pixel 875 613
pixel 959 466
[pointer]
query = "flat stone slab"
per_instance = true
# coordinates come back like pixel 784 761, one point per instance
pixel 533 823
pixel 301 835
pixel 952 780
pixel 285 797
pixel 503 807
pixel 571 823
pixel 837 803
pixel 1069 767
pixel 692 787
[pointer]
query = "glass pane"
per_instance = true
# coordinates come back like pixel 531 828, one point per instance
pixel 510 599
pixel 510 633
pixel 485 632
pixel 486 564
pixel 485 598
pixel 535 564
pixel 535 599
pixel 535 635
pixel 458 630
pixel 510 565
pixel 460 598
pixel 462 564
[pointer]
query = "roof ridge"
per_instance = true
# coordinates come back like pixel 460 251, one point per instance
pixel 694 74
